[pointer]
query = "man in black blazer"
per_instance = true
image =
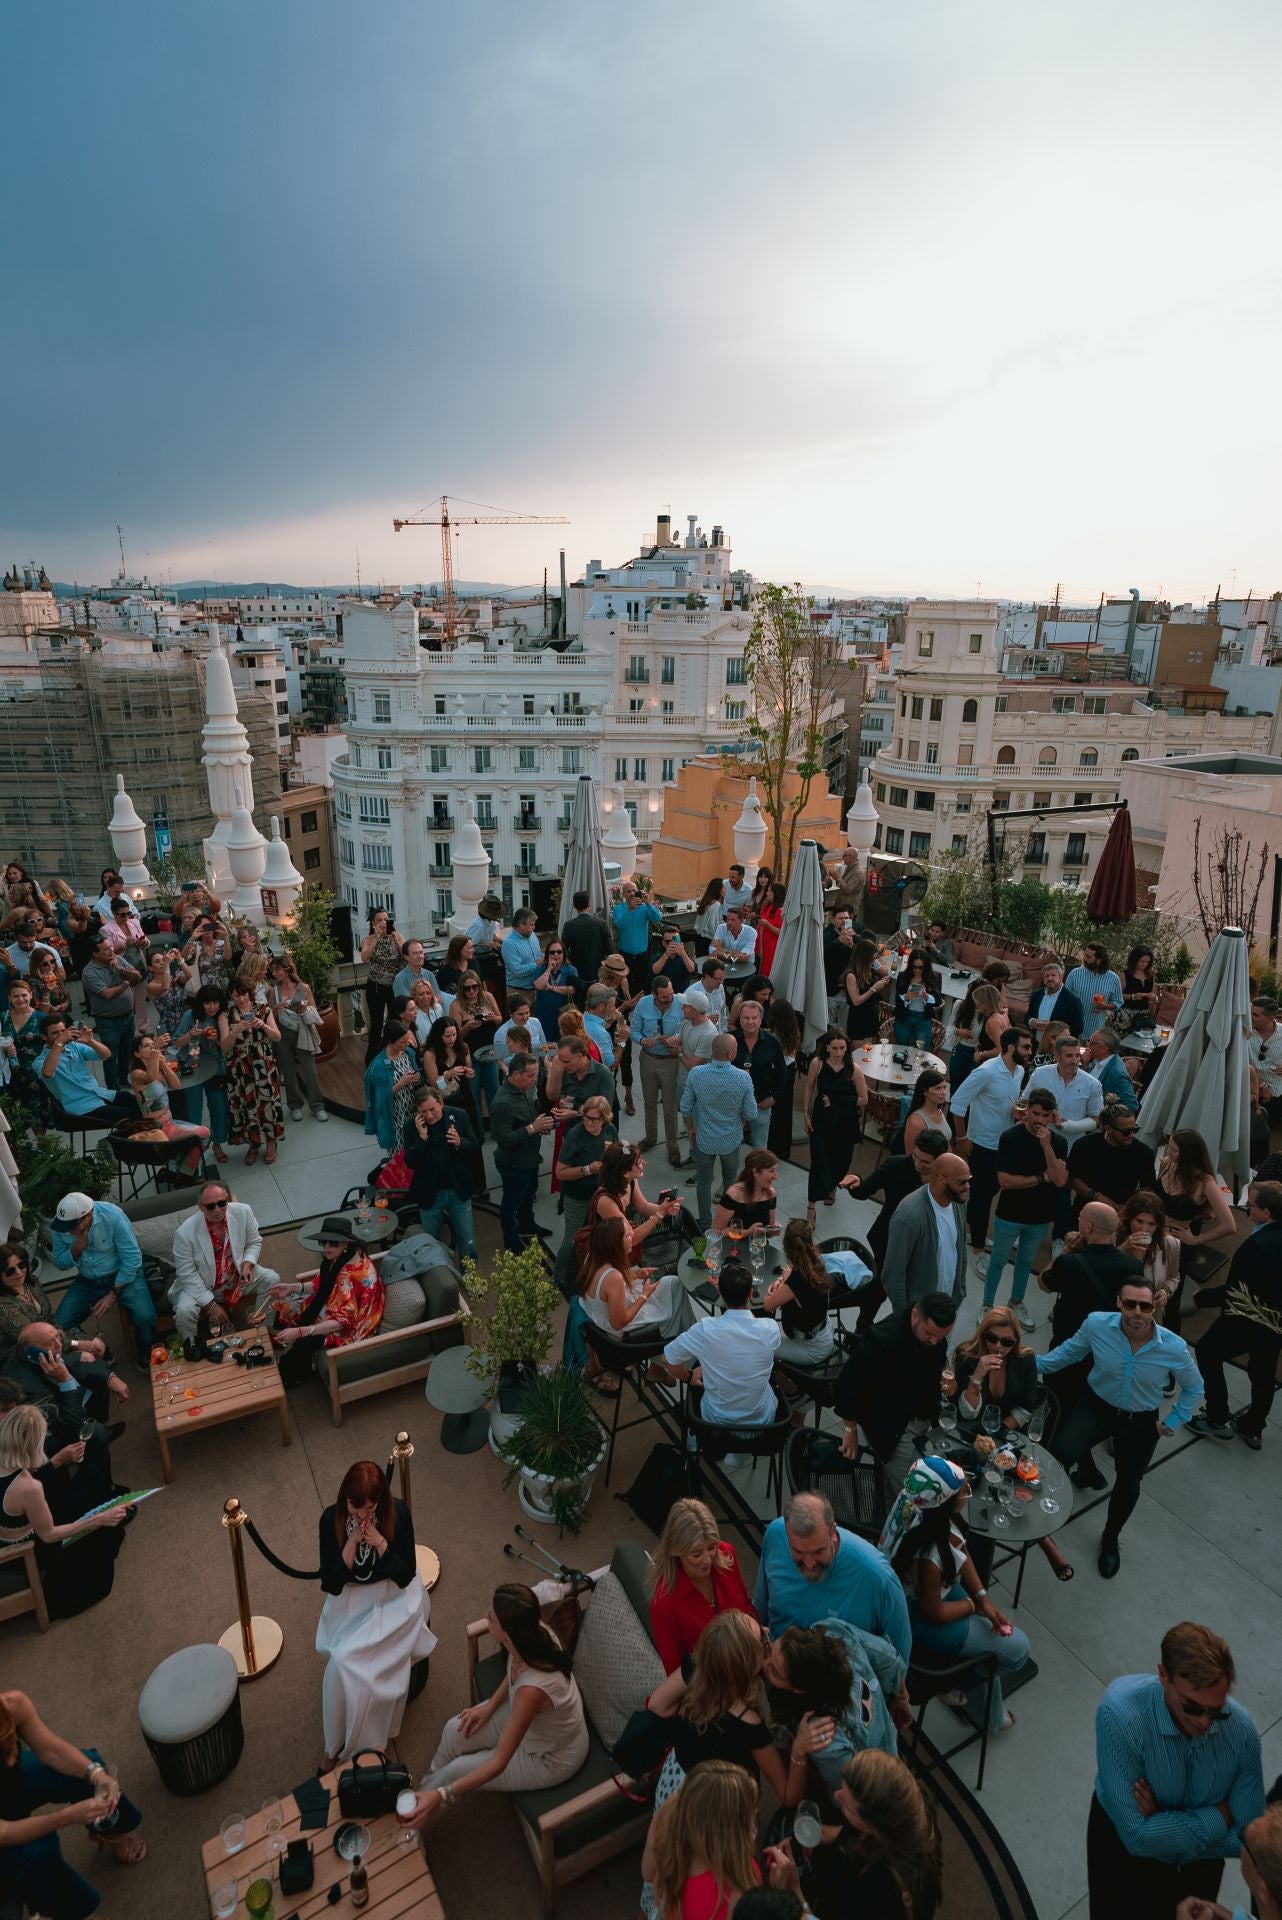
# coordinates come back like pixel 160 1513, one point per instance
pixel 586 940
pixel 1052 1001
pixel 68 1390
pixel 1257 1267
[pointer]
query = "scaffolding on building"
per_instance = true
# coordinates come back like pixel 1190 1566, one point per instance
pixel 97 713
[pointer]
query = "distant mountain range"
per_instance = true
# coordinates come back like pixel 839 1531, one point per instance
pixel 264 589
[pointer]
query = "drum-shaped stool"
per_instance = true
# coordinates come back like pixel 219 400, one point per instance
pixel 189 1711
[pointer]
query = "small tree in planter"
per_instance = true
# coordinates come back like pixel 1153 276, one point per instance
pixel 556 1449
pixel 512 1339
pixel 312 948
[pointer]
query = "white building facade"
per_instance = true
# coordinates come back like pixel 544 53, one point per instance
pixel 510 728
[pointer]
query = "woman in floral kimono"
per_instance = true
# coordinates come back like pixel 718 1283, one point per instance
pixel 343 1303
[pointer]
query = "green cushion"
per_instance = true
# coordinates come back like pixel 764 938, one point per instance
pixel 357 1364
pixel 489 1672
pixel 614 1813
pixel 631 1568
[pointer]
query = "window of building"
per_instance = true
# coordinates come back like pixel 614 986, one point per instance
pixel 620 768
pixel 873 723
pixel 1095 703
pixel 1005 756
pixel 970 712
pixel 881 789
pixel 376 808
pixel 527 705
pixel 384 758
pixel 1035 851
pixel 485 811
pixel 894 839
pixel 1063 703
pixel 1088 757
pixel 1082 799
pixel 999 703
pixel 923 801
pixel 639 770
pixel 442 853
pixel 636 706
pixel 308 822
pixel 918 845
pixel 279 685
pixel 638 672
pixel 916 707
pixel 1195 656
pixel 899 796
pixel 925 645
pixel 571 759
pixel 346 851
pixel 527 857
pixel 959 843
pixel 965 754
pixel 351 894
pixel 527 759
pixel 444 902
pixel 1041 799
pixel 667 706
pixel 1000 800
pixel 936 709
pixel 282 706
pixel 1075 850
pixel 441 810
pixel 903 706
pixel 975 643
pixel 1130 753
pixel 1070 882
pixel 667 771
pixel 1047 757
pixel 932 754
pixel 438 706
pixel 343 805
pixel 482 760
pixel 736 671
pixel 961 806
pixel 667 670
pixel 355 753
pixel 736 709
pixel 375 859
pixel 311 859
pixel 914 749
pixel 438 759
pixel 382 709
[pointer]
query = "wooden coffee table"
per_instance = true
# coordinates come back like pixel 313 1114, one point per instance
pixel 219 1391
pixel 400 1882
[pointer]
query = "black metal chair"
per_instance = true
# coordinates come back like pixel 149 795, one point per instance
pixel 713 1441
pixel 623 1354
pixel 841 1296
pixel 856 1490
pixel 929 1675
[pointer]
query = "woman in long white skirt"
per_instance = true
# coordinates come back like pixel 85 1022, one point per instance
pixel 373 1625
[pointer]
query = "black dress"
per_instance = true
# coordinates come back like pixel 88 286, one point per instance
pixel 728 1738
pixel 864 1022
pixel 834 1116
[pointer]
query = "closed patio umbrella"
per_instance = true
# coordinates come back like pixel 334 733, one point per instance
pixel 797 973
pixel 1113 894
pixel 584 867
pixel 1203 1081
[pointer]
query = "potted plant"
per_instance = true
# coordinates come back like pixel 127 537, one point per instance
pixel 556 1449
pixel 47 1169
pixel 311 946
pixel 511 1340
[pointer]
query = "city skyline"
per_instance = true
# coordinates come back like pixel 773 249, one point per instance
pixel 937 303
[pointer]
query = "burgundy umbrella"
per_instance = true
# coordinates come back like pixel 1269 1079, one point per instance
pixel 1113 894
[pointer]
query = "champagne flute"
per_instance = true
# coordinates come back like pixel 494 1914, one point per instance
pixel 273 1820
pixel 1036 1425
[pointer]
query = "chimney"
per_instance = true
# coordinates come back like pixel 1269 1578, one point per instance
pixel 663 530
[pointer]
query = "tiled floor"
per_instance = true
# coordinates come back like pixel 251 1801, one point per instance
pixel 1203 1544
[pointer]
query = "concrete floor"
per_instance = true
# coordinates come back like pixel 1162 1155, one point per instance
pixel 1199 1546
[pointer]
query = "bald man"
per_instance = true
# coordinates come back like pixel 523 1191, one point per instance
pixel 926 1245
pixel 1087 1275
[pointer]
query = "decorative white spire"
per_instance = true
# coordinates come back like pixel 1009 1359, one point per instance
pixel 129 844
pixel 247 857
pixel 471 865
pixel 228 766
pixel 280 877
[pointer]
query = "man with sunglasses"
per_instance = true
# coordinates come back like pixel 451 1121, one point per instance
pixel 1111 1164
pixel 216 1264
pixel 1131 1360
pixel 1178 1780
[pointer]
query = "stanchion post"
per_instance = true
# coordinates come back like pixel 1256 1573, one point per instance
pixel 253 1640
pixel 429 1565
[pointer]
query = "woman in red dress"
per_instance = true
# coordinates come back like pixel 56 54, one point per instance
pixel 769 927
pixel 696 1577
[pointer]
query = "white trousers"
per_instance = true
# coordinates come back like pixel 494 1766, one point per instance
pixel 526 1772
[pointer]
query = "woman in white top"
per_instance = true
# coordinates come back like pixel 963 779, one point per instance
pixel 621 1298
pixel 929 1108
pixel 530 1734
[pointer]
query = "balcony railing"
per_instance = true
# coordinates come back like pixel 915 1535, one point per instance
pixel 527 822
pixel 441 870
pixel 564 824
pixel 488 822
pixel 641 679
pixel 442 823
pixel 1075 860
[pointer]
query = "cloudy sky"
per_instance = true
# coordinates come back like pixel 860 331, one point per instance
pixel 925 297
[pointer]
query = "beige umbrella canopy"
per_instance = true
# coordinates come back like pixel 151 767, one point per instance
pixel 584 864
pixel 1204 1080
pixel 797 971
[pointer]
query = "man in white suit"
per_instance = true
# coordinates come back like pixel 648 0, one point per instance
pixel 216 1260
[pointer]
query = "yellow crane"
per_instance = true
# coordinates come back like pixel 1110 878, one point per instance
pixel 445 522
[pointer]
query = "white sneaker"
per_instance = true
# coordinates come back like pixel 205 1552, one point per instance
pixel 321 1115
pixel 737 1460
pixel 1024 1317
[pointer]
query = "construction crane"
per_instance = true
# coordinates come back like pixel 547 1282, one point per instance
pixel 445 523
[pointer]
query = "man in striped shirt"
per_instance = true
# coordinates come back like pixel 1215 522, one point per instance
pixel 1178 1778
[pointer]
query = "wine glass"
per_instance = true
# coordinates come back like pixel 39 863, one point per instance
pixel 233 1832
pixel 994 1479
pixel 947 1416
pixel 991 1421
pixel 1048 1503
pixel 807 1829
pixel 273 1820
pixel 1036 1425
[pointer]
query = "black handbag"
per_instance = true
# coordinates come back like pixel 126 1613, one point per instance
pixel 366 1791
pixel 643 1745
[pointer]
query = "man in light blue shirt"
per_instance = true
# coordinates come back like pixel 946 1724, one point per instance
pixel 1094 978
pixel 811 1569
pixel 1178 1783
pixel 522 957
pixel 656 1031
pixel 413 971
pixel 599 1010
pixel 736 944
pixel 717 1100
pixel 632 918
pixel 1106 1067
pixel 982 1109
pixel 736 893
pixel 1131 1360
pixel 63 1064
pixel 1078 1095
pixel 97 1240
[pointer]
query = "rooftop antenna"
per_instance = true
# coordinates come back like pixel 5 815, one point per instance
pixel 120 541
pixel 359 594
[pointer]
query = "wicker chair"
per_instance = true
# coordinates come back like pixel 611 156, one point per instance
pixel 884 1109
pixel 855 1489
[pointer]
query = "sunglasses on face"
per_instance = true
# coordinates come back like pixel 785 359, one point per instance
pixel 1196 1711
pixel 1137 1306
pixel 212 1206
pixel 999 1340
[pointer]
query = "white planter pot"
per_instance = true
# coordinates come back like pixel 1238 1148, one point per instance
pixel 502 1427
pixel 535 1490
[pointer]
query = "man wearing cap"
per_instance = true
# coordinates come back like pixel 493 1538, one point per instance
pixel 697 1033
pixel 216 1263
pixel 96 1238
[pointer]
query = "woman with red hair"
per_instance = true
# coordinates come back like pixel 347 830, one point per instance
pixel 373 1625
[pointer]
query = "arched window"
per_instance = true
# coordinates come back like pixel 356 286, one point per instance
pixel 1131 753
pixel 1089 758
pixel 970 712
pixel 1005 756
pixel 1047 757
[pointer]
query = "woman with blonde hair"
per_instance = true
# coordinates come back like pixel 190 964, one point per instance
pixel 884 1861
pixel 700 1851
pixel 75 1576
pixel 695 1577
pixel 476 1013
pixel 299 1020
pixel 38 1768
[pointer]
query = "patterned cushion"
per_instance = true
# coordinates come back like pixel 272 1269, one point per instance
pixel 404 1306
pixel 615 1663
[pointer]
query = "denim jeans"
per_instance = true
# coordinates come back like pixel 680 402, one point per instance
pixel 1025 1240
pixel 516 1206
pixel 912 1030
pixel 73 1308
pixel 47 1884
pixel 448 1205
pixel 973 1636
pixel 759 1129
